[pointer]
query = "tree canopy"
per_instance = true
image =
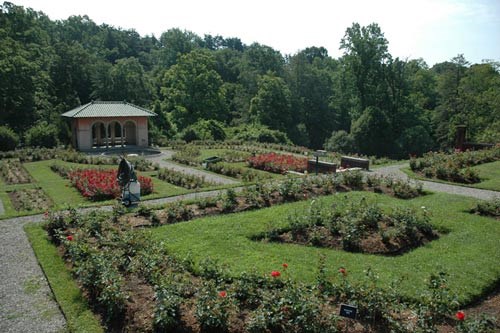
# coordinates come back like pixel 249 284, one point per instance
pixel 365 101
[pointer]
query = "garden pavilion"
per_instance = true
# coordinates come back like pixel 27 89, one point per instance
pixel 105 124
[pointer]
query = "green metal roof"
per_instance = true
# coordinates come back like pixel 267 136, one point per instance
pixel 108 109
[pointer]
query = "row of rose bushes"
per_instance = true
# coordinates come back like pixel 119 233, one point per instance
pixel 241 146
pixel 136 285
pixel 272 193
pixel 98 184
pixel 68 155
pixel 189 181
pixel 236 171
pixel 454 167
pixel 13 172
pixel 278 163
pixel 29 199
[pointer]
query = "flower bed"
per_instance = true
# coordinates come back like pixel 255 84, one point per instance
pixel 98 185
pixel 32 199
pixel 182 179
pixel 278 163
pixel 238 172
pixel 454 167
pixel 14 173
pixel 136 285
pixel 356 227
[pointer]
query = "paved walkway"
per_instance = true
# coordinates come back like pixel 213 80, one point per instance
pixel 26 302
pixel 211 177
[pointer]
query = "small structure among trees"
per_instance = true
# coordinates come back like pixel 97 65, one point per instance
pixel 109 124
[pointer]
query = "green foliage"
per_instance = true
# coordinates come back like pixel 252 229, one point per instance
pixel 41 135
pixel 259 133
pixel 341 142
pixel 488 208
pixel 8 139
pixel 204 130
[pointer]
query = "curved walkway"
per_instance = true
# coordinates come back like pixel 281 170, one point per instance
pixel 26 301
pixel 211 177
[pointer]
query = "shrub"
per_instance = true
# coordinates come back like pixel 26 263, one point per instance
pixel 42 135
pixel 488 208
pixel 167 312
pixel 340 141
pixel 8 139
pixel 204 130
pixel 212 310
pixel 259 133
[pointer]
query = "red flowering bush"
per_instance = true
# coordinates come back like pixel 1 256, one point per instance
pixel 460 315
pixel 222 293
pixel 278 163
pixel 99 185
pixel 275 274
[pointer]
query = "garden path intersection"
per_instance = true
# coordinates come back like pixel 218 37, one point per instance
pixel 26 301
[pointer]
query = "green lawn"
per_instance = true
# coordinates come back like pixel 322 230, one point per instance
pixel 469 253
pixel 488 172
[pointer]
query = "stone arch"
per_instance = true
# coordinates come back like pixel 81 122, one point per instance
pixel 99 135
pixel 115 133
pixel 130 132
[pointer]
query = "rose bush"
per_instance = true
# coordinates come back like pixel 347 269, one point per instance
pixel 278 163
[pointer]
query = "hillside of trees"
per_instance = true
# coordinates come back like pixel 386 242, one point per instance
pixel 216 87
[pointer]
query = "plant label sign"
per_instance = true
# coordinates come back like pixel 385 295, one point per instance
pixel 348 311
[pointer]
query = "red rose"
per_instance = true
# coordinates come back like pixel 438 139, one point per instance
pixel 70 238
pixel 222 293
pixel 342 271
pixel 275 274
pixel 285 265
pixel 460 315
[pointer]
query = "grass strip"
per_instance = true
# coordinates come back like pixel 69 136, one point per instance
pixel 76 310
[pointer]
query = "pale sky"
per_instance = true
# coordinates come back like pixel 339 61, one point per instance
pixel 435 30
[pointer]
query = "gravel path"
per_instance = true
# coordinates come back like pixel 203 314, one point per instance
pixel 211 177
pixel 26 301
pixel 394 171
pixel 2 210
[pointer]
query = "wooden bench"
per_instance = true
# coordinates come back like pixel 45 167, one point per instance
pixel 354 162
pixel 323 167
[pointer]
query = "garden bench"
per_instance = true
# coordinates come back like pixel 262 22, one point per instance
pixel 210 160
pixel 354 162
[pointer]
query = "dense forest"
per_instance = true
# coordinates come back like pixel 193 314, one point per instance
pixel 213 87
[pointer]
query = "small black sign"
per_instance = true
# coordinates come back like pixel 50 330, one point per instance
pixel 348 311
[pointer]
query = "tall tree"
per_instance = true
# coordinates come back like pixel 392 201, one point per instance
pixel 271 106
pixel 365 53
pixel 193 90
